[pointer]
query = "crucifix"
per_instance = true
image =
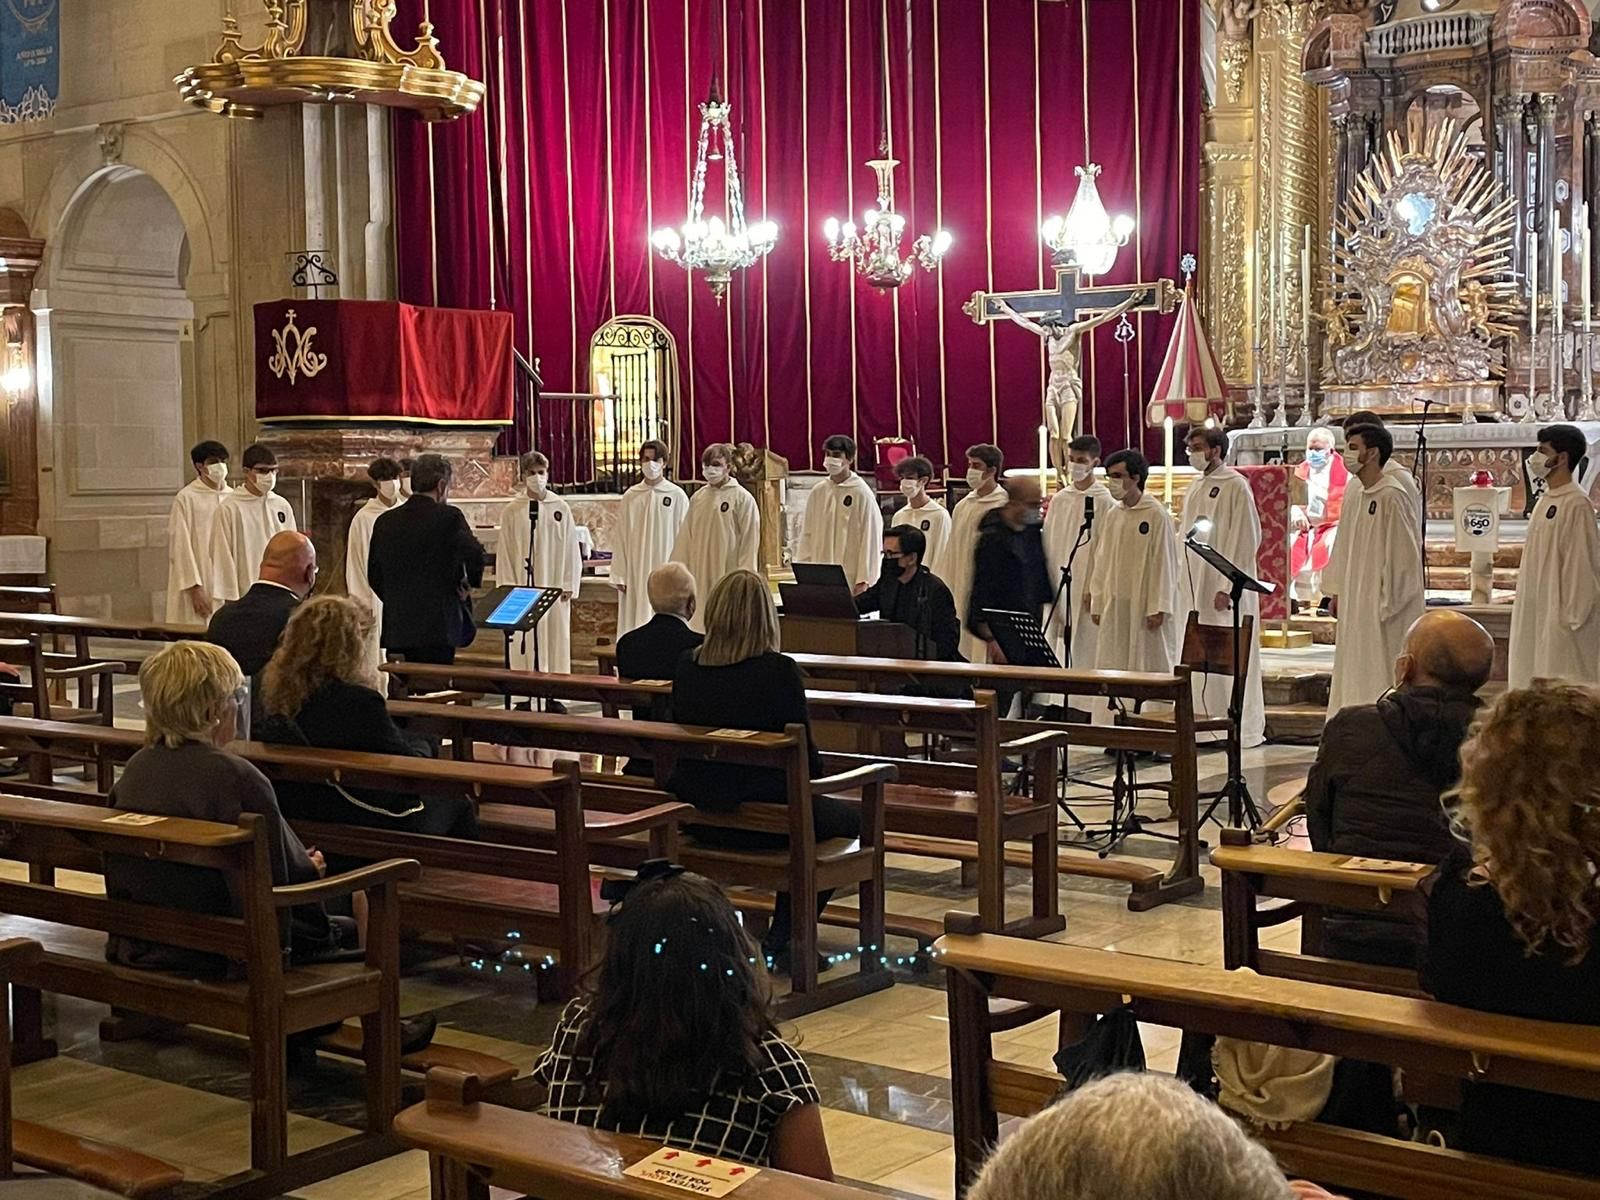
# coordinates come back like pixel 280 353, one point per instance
pixel 1065 314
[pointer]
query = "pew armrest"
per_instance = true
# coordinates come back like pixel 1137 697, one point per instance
pixel 83 670
pixel 856 777
pixel 1032 743
pixel 446 697
pixel 602 826
pixel 320 891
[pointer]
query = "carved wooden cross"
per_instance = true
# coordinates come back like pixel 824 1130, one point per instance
pixel 1070 300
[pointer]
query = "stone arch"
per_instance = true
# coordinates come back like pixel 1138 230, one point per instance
pixel 1542 25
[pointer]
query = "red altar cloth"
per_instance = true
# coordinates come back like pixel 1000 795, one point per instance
pixel 367 360
pixel 1270 486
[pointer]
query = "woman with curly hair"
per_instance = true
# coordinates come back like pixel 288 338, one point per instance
pixel 1511 914
pixel 674 1040
pixel 320 689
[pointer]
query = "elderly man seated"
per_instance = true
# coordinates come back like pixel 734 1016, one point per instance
pixel 1374 790
pixel 652 651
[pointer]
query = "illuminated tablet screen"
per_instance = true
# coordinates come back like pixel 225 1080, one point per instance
pixel 518 603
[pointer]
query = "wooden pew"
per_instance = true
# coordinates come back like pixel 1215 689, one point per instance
pixel 473 1146
pixel 124 1171
pixel 934 809
pixel 1413 1034
pixel 1264 886
pixel 543 892
pixel 273 1002
pixel 804 869
pixel 88 627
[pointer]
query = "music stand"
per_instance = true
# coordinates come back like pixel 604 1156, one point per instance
pixel 819 590
pixel 513 609
pixel 1020 638
pixel 1235 791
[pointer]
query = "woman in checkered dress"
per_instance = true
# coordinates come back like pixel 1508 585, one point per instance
pixel 675 1039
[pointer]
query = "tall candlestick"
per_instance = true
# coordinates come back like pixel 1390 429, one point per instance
pixel 1044 458
pixel 1587 412
pixel 1258 316
pixel 1305 330
pixel 1557 397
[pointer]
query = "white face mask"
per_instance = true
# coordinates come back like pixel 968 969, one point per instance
pixel 652 470
pixel 1538 466
pixel 265 483
pixel 1117 486
pixel 389 489
pixel 714 473
pixel 1080 471
pixel 1198 460
pixel 911 488
pixel 535 484
pixel 1352 461
pixel 217 473
pixel 834 466
pixel 975 479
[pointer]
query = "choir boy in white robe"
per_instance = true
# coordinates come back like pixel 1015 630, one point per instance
pixel 1374 572
pixel 250 516
pixel 1134 592
pixel 1221 509
pixel 984 464
pixel 1555 622
pixel 385 476
pixel 1063 523
pixel 651 513
pixel 194 511
pixel 555 564
pixel 1394 468
pixel 722 532
pixel 843 523
pixel 922 512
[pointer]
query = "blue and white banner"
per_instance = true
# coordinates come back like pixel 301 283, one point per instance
pixel 30 59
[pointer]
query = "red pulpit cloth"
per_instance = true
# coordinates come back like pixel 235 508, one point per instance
pixel 1270 486
pixel 367 360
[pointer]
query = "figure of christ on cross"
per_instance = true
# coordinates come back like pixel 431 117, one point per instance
pixel 1066 314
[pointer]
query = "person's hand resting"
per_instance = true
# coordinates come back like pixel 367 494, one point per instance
pixel 1221 602
pixel 1154 621
pixel 317 861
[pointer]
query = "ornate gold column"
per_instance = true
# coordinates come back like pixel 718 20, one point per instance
pixel 1228 296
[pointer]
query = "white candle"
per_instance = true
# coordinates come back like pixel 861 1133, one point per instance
pixel 1305 288
pixel 1588 299
pixel 1166 439
pixel 1044 459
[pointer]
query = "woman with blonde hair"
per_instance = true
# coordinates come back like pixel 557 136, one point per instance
pixel 1511 914
pixel 738 679
pixel 320 689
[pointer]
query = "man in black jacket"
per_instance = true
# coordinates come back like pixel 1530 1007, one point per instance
pixel 911 594
pixel 249 628
pixel 652 651
pixel 1374 790
pixel 423 562
pixel 1008 570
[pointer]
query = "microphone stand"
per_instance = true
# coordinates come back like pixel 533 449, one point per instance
pixel 1064 595
pixel 1419 472
pixel 535 704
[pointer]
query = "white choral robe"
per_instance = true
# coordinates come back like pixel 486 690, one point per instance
pixel 1136 576
pixel 1555 622
pixel 1375 570
pixel 244 525
pixel 356 544
pixel 556 564
pixel 1224 498
pixel 843 525
pixel 932 520
pixel 1393 469
pixel 963 548
pixel 1062 521
pixel 721 534
pixel 194 511
pixel 648 521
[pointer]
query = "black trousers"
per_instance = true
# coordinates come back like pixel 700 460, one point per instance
pixel 441 655
pixel 830 818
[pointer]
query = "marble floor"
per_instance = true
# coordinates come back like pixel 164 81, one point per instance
pixel 881 1062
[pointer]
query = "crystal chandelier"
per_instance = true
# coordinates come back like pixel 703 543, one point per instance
pixel 708 244
pixel 875 249
pixel 1087 239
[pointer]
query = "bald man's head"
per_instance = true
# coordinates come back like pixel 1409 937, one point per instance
pixel 1023 495
pixel 290 560
pixel 1445 649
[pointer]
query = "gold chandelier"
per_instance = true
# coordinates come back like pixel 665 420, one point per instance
pixel 328 52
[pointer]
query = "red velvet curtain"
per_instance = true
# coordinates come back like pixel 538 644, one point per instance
pixel 544 200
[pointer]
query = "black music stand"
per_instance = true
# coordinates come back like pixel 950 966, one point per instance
pixel 513 609
pixel 1235 791
pixel 1020 638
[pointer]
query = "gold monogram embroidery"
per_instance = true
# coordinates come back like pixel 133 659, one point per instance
pixel 301 360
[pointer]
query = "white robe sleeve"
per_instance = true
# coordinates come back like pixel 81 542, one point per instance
pixel 869 550
pixel 1238 533
pixel 575 554
pixel 1402 581
pixel 184 570
pixel 630 519
pixel 812 524
pixel 1579 585
pixel 1161 586
pixel 747 549
pixel 357 542
pixel 510 547
pixel 224 550
pixel 1099 575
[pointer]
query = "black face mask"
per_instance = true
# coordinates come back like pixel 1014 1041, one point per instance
pixel 891 564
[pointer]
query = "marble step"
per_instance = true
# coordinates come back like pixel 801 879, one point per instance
pixel 1295 723
pixel 1290 687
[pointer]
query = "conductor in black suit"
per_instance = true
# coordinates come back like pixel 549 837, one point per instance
pixel 911 594
pixel 423 562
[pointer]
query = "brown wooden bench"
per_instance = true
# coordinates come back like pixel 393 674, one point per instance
pixel 1402 1031
pixel 935 809
pixel 1148 888
pixel 473 1147
pixel 124 1171
pixel 540 894
pixel 803 869
pixel 1265 886
pixel 274 1000
pixel 41 694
